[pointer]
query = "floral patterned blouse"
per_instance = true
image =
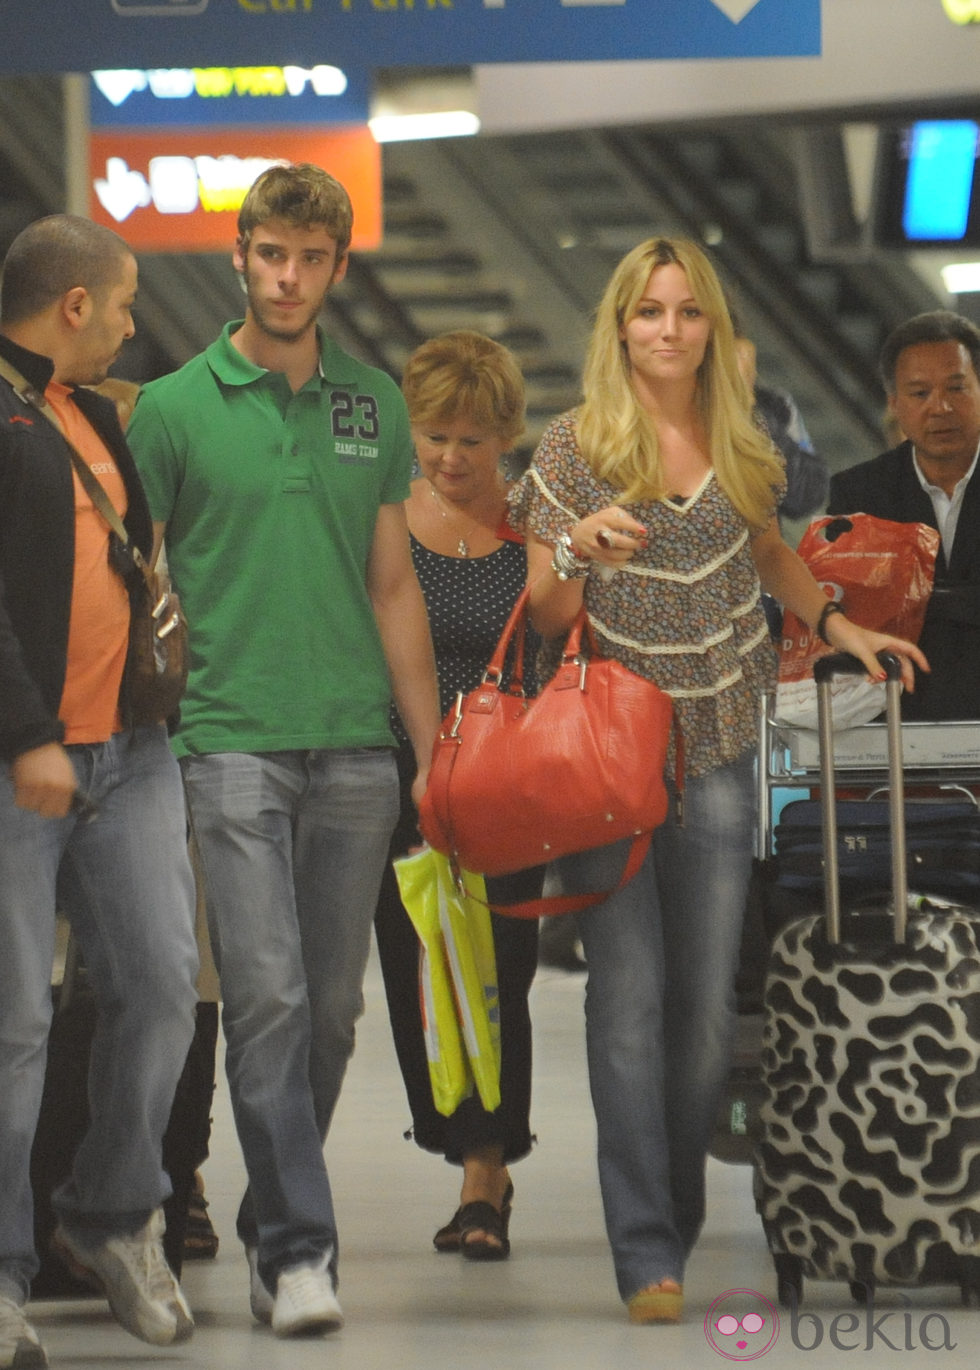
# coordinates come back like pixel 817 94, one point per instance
pixel 685 612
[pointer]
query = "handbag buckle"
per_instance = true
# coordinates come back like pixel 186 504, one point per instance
pixel 165 629
pixel 457 715
pixel 582 662
pixel 456 871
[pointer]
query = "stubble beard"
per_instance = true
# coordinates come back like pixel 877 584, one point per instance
pixel 261 314
pixel 282 332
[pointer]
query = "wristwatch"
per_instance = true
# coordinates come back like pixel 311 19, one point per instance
pixel 831 607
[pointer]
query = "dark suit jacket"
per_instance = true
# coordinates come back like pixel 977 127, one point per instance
pixel 889 488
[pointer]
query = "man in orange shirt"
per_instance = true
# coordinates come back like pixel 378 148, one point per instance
pixel 91 809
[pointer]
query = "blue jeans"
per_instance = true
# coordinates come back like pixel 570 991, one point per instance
pixel 125 884
pixel 661 956
pixel 292 847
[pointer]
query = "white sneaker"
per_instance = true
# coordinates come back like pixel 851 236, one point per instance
pixel 259 1298
pixel 306 1303
pixel 139 1284
pixel 20 1347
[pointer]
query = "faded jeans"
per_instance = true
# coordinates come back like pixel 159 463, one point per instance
pixel 292 847
pixel 125 884
pixel 661 957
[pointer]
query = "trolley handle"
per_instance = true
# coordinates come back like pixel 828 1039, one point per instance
pixel 824 670
pixel 843 663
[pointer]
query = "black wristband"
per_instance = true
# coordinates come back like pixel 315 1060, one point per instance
pixel 831 607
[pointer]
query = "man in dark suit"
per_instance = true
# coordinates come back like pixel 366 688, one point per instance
pixel 930 366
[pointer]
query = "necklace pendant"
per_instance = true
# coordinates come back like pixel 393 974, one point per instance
pixel 463 548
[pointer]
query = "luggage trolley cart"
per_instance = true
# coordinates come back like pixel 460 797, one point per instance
pixel 868 1159
pixel 943 830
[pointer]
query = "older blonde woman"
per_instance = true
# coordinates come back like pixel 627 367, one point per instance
pixel 465 397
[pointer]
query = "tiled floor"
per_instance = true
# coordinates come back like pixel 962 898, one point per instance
pixel 552 1306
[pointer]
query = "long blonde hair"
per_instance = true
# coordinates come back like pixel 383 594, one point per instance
pixel 617 437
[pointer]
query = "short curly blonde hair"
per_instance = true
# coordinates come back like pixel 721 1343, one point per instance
pixel 466 374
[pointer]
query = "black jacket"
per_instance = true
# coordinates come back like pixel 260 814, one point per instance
pixel 889 488
pixel 37 550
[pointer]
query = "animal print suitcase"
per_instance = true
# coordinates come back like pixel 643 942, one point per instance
pixel 868 1162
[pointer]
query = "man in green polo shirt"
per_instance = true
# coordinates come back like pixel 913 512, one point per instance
pixel 276 466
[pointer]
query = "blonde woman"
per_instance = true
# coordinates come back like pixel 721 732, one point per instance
pixel 656 502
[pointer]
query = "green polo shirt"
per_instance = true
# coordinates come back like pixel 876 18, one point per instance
pixel 270 501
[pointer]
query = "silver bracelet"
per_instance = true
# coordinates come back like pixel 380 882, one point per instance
pixel 565 563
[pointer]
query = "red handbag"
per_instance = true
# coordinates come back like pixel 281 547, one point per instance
pixel 517 782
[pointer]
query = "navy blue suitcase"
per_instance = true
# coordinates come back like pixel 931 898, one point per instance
pixel 942 844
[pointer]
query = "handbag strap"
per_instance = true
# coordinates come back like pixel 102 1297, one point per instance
pixel 90 482
pixel 549 905
pixel 515 628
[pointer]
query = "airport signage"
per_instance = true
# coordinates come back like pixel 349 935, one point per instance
pixel 46 35
pixel 195 96
pixel 180 191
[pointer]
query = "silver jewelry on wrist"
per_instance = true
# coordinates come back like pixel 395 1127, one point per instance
pixel 566 563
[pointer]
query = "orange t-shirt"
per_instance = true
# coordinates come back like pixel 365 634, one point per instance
pixel 98 629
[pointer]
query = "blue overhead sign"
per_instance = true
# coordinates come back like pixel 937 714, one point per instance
pixel 52 35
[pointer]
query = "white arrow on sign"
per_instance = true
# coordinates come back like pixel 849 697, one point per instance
pixel 122 190
pixel 735 9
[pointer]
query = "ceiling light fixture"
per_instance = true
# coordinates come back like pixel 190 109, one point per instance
pixel 450 123
pixel 961 278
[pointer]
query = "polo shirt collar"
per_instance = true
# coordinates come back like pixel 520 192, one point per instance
pixel 232 368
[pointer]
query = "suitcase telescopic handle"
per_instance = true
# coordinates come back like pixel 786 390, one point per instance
pixel 824 671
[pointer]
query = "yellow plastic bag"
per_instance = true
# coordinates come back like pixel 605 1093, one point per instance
pixel 468 939
pixel 457 979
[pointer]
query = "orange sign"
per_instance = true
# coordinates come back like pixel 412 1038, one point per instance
pixel 181 191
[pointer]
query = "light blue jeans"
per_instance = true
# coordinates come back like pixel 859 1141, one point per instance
pixel 661 956
pixel 292 847
pixel 124 881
